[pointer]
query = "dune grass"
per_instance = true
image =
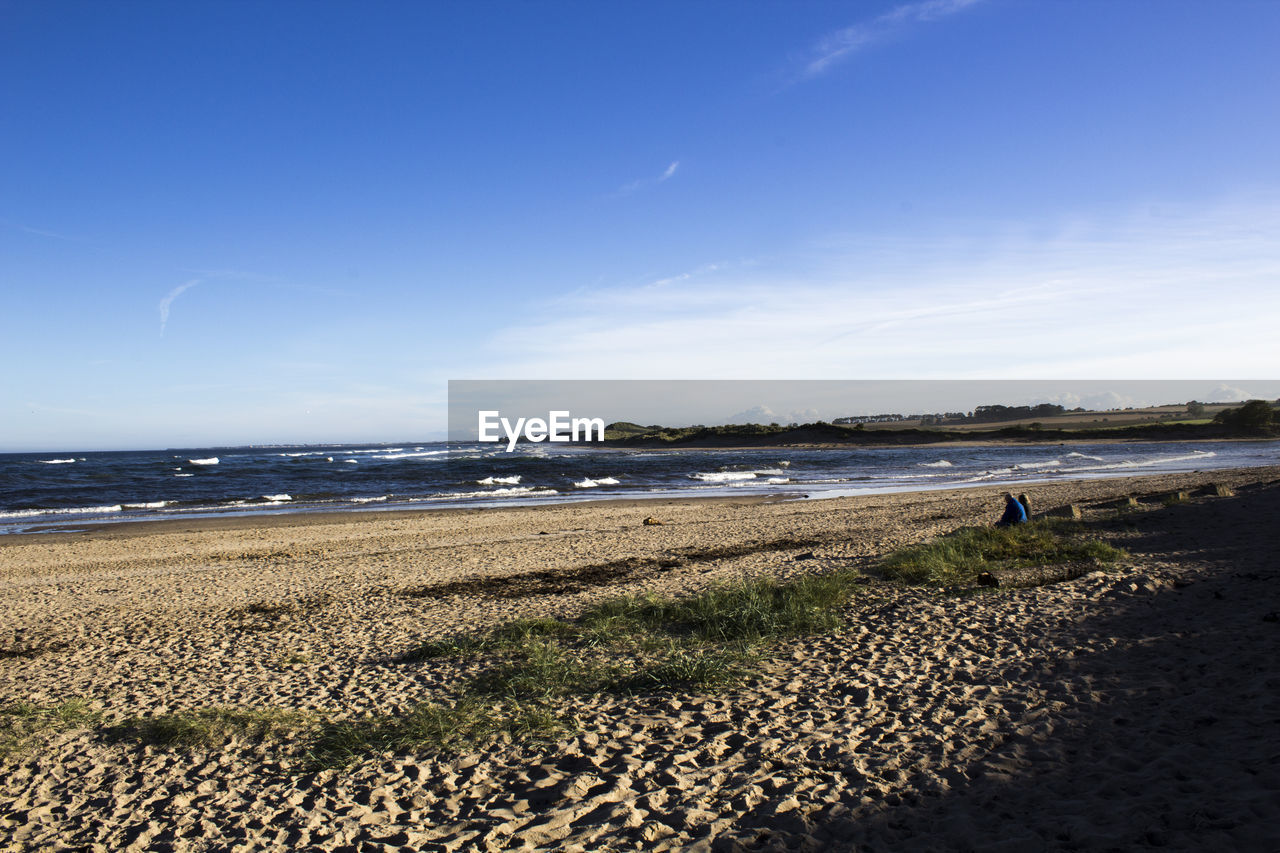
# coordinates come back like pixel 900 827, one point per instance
pixel 957 558
pixel 211 728
pixel 323 741
pixel 24 725
pixel 647 643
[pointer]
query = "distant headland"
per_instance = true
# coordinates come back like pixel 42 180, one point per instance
pixel 1045 423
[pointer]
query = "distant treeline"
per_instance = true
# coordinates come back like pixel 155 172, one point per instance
pixel 981 414
pixel 1257 418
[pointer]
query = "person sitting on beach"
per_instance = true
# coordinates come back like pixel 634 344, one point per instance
pixel 1013 512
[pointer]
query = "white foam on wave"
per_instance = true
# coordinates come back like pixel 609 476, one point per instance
pixel 369 500
pixel 148 505
pixel 941 463
pixel 1074 455
pixel 352 461
pixel 493 481
pixel 78 510
pixel 212 460
pixel 57 461
pixel 184 475
pixel 277 498
pixel 723 476
pixel 769 472
pixel 589 483
pixel 778 481
pixel 514 491
pixel 417 455
pixel 1147 463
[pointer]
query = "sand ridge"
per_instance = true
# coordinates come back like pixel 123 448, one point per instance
pixel 1132 708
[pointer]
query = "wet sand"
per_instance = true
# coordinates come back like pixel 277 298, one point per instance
pixel 1133 708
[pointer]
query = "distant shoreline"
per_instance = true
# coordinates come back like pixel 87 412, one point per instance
pixel 825 435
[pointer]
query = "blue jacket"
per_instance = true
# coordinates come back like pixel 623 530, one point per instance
pixel 1013 513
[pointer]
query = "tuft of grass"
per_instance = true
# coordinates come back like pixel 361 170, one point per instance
pixel 682 668
pixel 648 642
pixel 429 726
pixel 326 742
pixel 959 557
pixel 23 724
pixel 209 728
pixel 516 634
pixel 542 670
pixel 754 609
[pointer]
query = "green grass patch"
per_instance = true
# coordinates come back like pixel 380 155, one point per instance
pixel 430 726
pixel 959 557
pixel 647 643
pixel 212 728
pixel 322 741
pixel 23 725
pixel 754 609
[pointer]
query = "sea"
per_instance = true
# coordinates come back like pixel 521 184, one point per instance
pixel 50 492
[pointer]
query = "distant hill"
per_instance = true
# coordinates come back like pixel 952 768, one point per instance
pixel 1163 423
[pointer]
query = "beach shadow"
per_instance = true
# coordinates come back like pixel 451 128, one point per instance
pixel 1161 732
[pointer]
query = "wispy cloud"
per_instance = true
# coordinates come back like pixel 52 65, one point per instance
pixel 841 44
pixel 1115 297
pixel 42 232
pixel 643 182
pixel 168 301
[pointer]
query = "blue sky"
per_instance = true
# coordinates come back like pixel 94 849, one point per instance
pixel 235 222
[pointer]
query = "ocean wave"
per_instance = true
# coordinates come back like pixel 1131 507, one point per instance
pixel 411 455
pixel 491 481
pixel 57 461
pixel 1074 455
pixel 1027 466
pixel 277 498
pixel 723 476
pixel 212 460
pixel 352 461
pixel 589 483
pixel 769 472
pixel 184 475
pixel 78 510
pixel 369 500
pixel 1147 463
pixel 941 463
pixel 507 492
pixel 149 505
pixel 778 481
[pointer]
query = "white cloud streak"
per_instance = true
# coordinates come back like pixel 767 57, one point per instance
pixel 167 301
pixel 1183 299
pixel 841 44
pixel 666 175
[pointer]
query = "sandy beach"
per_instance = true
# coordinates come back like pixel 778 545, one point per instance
pixel 1130 708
